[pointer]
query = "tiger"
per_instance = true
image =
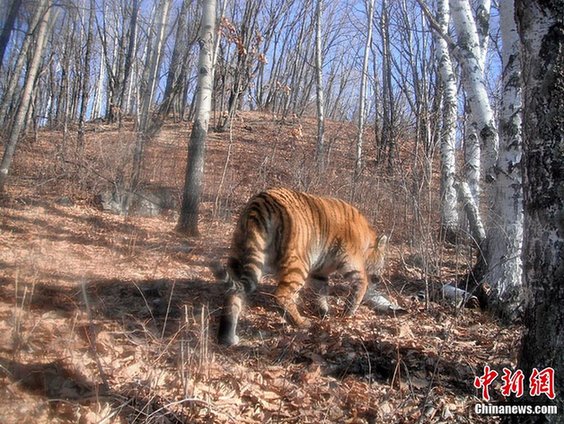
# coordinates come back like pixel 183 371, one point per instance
pixel 297 238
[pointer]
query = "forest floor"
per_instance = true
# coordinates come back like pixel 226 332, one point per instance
pixel 105 318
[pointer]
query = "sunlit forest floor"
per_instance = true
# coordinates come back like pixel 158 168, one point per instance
pixel 105 318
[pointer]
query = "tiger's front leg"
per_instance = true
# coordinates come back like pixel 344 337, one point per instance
pixel 360 284
pixel 227 332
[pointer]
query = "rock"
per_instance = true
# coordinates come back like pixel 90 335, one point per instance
pixel 64 201
pixel 380 303
pixel 151 201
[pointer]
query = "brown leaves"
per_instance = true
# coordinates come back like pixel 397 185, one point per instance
pixel 146 288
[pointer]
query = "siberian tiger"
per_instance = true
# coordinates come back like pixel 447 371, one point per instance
pixel 298 237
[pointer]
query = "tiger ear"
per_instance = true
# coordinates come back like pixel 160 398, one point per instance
pixel 381 244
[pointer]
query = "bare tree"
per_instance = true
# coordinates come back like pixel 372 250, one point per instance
pixel 176 78
pixel 189 212
pixel 388 138
pixel 505 226
pixel 237 75
pixel 86 74
pixel 540 27
pixel 319 85
pixel 11 97
pixel 362 94
pixel 30 80
pixel 149 82
pixel 482 116
pixel 8 26
pixel 449 213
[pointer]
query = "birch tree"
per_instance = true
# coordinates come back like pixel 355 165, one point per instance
pixel 30 80
pixel 152 63
pixel 470 53
pixel 189 212
pixel 149 82
pixel 540 27
pixel 505 226
pixel 177 71
pixel 362 94
pixel 449 214
pixel 319 85
pixel 86 75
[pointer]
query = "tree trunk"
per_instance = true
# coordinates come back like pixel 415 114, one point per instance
pixel 150 77
pixel 320 148
pixel 19 120
pixel 483 8
pixel 153 60
pixel 449 212
pixel 475 86
pixel 387 140
pixel 10 97
pixel 362 94
pixel 541 26
pixel 131 44
pixel 8 26
pixel 189 212
pixel 505 228
pixel 86 77
pixel 176 73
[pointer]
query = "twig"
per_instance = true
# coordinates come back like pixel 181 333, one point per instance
pixel 227 158
pixel 168 308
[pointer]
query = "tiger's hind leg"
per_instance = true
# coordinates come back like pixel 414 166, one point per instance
pixel 360 284
pixel 289 285
pixel 320 286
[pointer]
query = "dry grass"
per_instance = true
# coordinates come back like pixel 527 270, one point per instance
pixel 112 319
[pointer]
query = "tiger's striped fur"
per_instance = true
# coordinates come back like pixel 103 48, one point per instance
pixel 298 237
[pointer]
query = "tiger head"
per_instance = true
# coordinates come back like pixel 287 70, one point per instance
pixel 376 258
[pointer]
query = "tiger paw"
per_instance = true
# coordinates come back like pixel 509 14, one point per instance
pixel 304 324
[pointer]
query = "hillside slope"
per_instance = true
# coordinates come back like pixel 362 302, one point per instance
pixel 109 318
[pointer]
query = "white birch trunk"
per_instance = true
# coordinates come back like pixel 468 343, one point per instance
pixel 505 232
pixel 154 54
pixel 320 150
pixel 472 148
pixel 97 103
pixel 363 78
pixel 474 84
pixel 449 212
pixel 189 212
pixel 483 8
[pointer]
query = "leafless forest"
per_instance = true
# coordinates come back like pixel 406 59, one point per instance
pixel 133 132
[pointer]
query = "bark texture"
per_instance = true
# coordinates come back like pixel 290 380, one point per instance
pixel 449 213
pixel 482 117
pixel 189 212
pixel 320 148
pixel 362 94
pixel 505 228
pixel 541 29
